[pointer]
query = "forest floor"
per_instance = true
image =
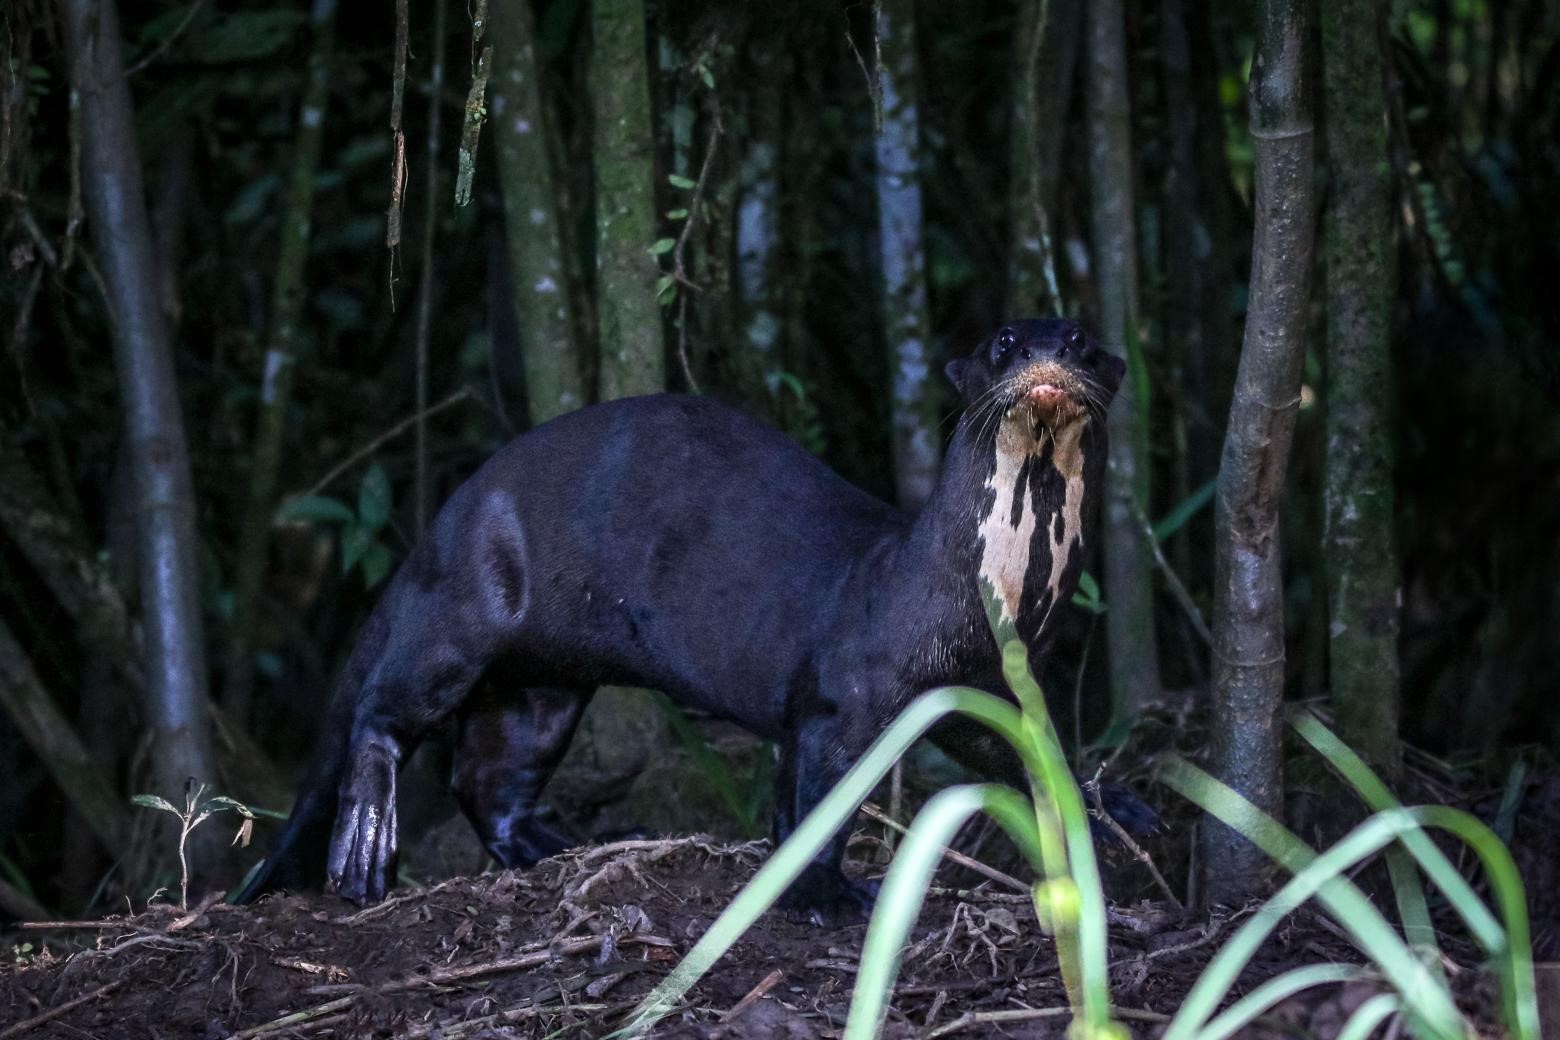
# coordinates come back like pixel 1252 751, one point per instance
pixel 567 948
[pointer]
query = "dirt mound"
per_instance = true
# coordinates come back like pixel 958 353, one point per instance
pixel 565 949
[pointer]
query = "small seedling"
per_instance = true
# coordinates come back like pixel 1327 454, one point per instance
pixel 197 810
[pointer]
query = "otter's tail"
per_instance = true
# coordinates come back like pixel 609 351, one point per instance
pixel 298 859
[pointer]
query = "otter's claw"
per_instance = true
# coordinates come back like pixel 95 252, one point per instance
pixel 362 860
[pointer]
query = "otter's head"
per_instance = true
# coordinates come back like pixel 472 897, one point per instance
pixel 1035 396
pixel 1048 370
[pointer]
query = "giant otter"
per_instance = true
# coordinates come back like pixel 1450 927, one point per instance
pixel 675 543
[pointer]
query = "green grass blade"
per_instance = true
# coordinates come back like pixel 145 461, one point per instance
pixel 1511 801
pixel 1280 987
pixel 836 809
pixel 1408 892
pixel 1369 1015
pixel 1317 875
pixel 1514 954
pixel 1485 928
pixel 1086 966
pixel 1187 508
pixel 904 888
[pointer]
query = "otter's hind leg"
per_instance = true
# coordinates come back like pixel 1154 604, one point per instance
pixel 510 743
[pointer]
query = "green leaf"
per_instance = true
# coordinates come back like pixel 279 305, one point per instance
pixel 1177 517
pixel 677 180
pixel 224 802
pixel 355 540
pixel 1088 594
pixel 374 498
pixel 151 801
pixel 376 564
pixel 315 509
pixel 677 214
pixel 665 289
pixel 663 246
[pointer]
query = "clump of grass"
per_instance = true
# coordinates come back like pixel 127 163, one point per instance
pixel 1050 826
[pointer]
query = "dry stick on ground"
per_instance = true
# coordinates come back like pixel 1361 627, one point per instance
pixel 1006 1016
pixel 957 857
pixel 466 972
pixel 451 1030
pixel 767 983
pixel 29 1024
pixel 436 979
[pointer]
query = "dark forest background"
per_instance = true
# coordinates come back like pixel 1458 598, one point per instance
pixel 759 112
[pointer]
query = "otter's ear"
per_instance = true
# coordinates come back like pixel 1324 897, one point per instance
pixel 955 371
pixel 1112 371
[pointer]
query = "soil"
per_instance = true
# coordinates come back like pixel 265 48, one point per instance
pixel 567 948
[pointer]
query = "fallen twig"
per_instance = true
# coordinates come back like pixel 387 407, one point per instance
pixel 296 1018
pixel 465 972
pixel 55 1012
pixel 973 1018
pixel 957 857
pixel 767 983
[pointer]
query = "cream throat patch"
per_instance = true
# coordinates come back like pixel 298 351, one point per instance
pixel 1007 531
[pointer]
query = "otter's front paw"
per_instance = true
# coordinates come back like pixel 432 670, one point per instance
pixel 823 895
pixel 363 852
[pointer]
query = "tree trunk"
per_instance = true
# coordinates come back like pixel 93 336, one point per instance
pixel 1129 561
pixel 902 239
pixel 758 218
pixel 1046 47
pixel 116 207
pixel 553 379
pixel 623 725
pixel 1248 621
pixel 633 359
pixel 288 292
pixel 1359 543
pixel 58 551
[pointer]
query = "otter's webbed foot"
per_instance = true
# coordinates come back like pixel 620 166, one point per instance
pixel 362 860
pixel 823 895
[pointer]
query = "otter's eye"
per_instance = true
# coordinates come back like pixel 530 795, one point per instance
pixel 1073 340
pixel 1005 342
